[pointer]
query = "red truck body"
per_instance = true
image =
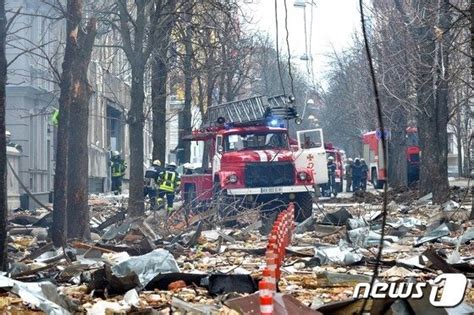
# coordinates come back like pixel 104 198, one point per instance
pixel 253 157
pixel 373 156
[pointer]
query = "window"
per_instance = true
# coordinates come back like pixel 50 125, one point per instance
pixel 310 139
pixel 451 143
pixel 256 141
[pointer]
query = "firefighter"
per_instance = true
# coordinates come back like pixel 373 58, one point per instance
pixel 365 171
pixel 348 174
pixel 10 143
pixel 356 174
pixel 118 167
pixel 55 118
pixel 332 177
pixel 169 185
pixel 152 176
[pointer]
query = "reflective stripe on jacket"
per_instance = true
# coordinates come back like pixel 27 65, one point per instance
pixel 168 181
pixel 118 168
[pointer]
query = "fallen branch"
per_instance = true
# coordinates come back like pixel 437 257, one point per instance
pixel 34 271
pixel 88 246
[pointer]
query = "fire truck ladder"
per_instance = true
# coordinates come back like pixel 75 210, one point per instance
pixel 253 109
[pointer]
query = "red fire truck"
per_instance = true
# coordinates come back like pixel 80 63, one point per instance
pixel 252 157
pixel 373 156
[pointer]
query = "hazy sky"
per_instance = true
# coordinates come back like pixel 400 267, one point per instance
pixel 334 22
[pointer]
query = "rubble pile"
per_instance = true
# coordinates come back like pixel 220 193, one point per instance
pixel 139 266
pixel 405 196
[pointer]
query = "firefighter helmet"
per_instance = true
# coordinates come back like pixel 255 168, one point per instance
pixel 331 158
pixel 156 162
pixel 172 164
pixel 115 153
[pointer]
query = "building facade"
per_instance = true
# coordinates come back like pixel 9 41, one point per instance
pixel 35 53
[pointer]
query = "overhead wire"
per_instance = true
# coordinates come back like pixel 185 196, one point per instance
pixel 384 147
pixel 306 50
pixel 311 44
pixel 288 48
pixel 278 48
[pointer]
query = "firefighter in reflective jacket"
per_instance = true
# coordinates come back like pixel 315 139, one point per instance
pixel 152 179
pixel 117 167
pixel 169 184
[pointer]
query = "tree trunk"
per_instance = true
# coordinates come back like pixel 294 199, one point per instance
pixel 160 70
pixel 397 163
pixel 158 93
pixel 459 152
pixel 432 99
pixel 185 127
pixel 466 123
pixel 136 124
pixel 3 142
pixel 78 157
pixel 59 227
pixel 210 82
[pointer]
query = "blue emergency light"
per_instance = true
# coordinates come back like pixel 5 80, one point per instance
pixel 274 122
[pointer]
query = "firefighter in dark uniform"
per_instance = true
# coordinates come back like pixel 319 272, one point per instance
pixel 356 175
pixel 332 177
pixel 348 174
pixel 365 172
pixel 117 167
pixel 152 180
pixel 169 184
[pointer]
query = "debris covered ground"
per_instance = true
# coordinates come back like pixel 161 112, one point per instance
pixel 155 265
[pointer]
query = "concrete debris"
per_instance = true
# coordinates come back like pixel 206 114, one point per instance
pixel 155 265
pixel 425 199
pixel 341 254
pixel 146 267
pixel 440 231
pixel 450 205
pixel 43 295
pixel 339 217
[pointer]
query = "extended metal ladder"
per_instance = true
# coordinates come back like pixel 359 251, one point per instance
pixel 252 109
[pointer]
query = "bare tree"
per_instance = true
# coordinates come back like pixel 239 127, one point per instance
pixel 431 35
pixel 59 227
pixel 160 69
pixel 3 144
pixel 137 25
pixel 78 157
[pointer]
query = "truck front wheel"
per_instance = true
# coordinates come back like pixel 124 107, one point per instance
pixel 304 206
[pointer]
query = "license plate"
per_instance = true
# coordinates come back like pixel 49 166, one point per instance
pixel 271 190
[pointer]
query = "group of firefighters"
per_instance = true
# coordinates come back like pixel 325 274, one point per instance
pixel 355 171
pixel 160 182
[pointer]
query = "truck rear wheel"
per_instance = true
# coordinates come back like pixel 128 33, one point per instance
pixel 378 184
pixel 339 187
pixel 304 206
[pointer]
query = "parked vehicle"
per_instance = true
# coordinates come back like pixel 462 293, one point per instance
pixel 252 158
pixel 373 154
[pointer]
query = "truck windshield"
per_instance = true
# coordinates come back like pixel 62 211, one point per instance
pixel 256 141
